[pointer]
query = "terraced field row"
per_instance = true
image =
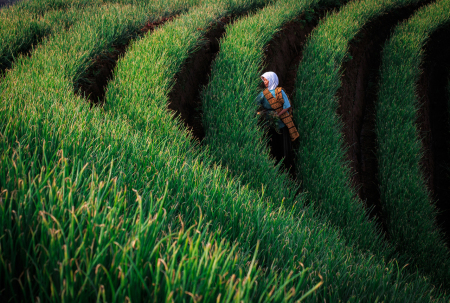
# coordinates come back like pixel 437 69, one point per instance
pixel 325 118
pixel 408 204
pixel 120 202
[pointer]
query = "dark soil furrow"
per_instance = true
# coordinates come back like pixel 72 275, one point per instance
pixel 5 3
pixel 283 56
pixel 357 97
pixel 93 83
pixel 184 98
pixel 434 123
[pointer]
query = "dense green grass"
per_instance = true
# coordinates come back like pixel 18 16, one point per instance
pixel 27 23
pixel 229 119
pixel 78 234
pixel 139 93
pixel 84 194
pixel 18 32
pixel 407 204
pixel 41 7
pixel 101 245
pixel 84 241
pixel 321 160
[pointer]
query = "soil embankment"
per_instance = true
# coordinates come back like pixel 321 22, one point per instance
pixel 283 56
pixel 5 3
pixel 357 99
pixel 184 98
pixel 93 83
pixel 434 122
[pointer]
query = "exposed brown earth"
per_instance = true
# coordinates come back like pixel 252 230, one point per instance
pixel 283 56
pixel 4 3
pixel 434 122
pixel 357 97
pixel 93 84
pixel 184 98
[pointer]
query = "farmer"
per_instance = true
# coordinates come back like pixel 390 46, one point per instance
pixel 277 111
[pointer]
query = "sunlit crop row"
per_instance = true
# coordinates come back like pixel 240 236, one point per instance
pixel 120 204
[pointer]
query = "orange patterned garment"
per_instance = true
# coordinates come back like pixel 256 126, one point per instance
pixel 277 105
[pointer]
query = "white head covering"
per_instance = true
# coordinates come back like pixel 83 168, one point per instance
pixel 273 79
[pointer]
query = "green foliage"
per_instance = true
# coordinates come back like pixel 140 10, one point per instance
pixel 229 118
pixel 408 207
pixel 96 205
pixel 73 229
pixel 27 23
pixel 321 161
pixel 139 94
pixel 85 240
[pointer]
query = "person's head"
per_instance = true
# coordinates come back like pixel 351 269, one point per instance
pixel 270 80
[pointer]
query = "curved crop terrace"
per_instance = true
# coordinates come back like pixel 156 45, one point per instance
pixel 434 121
pixel 357 99
pixel 92 190
pixel 408 207
pixel 321 162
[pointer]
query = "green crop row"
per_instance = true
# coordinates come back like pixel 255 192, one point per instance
pixel 18 33
pixel 28 22
pixel 40 7
pixel 229 115
pixel 78 234
pixel 78 239
pixel 408 206
pixel 321 157
pixel 84 204
pixel 49 135
pixel 139 94
pixel 24 24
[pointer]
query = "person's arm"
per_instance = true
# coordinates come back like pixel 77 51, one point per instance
pixel 286 104
pixel 283 111
pixel 259 98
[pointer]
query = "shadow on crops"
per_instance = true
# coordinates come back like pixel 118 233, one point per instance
pixel 6 3
pixel 357 98
pixel 184 98
pixel 434 122
pixel 283 56
pixel 92 85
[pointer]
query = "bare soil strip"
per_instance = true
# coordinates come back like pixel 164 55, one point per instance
pixel 184 98
pixel 434 123
pixel 5 3
pixel 283 56
pixel 95 80
pixel 357 98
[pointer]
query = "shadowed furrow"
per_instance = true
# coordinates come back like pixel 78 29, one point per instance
pixel 28 22
pixel 92 84
pixel 321 162
pixel 4 3
pixel 434 122
pixel 87 203
pixel 407 204
pixel 184 97
pixel 357 96
pixel 229 118
pixel 61 151
pixel 282 56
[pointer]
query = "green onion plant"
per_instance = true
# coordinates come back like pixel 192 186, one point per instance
pixel 321 157
pixel 407 204
pixel 94 206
